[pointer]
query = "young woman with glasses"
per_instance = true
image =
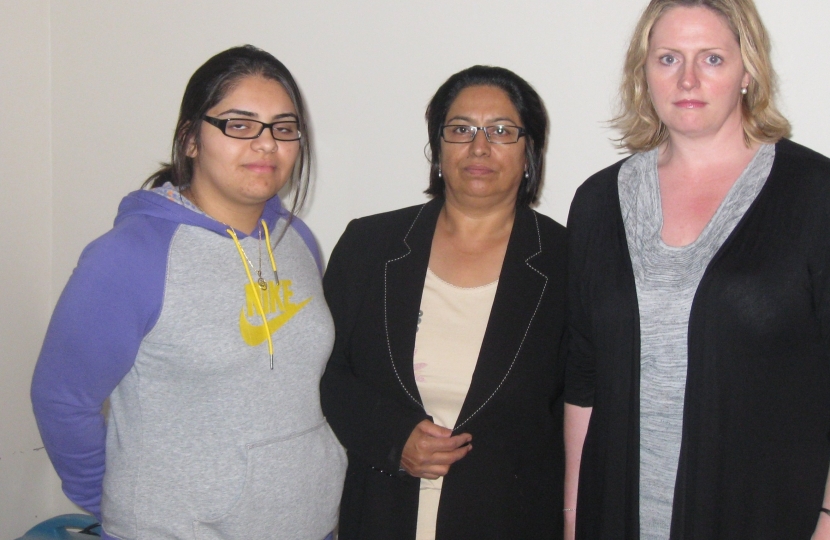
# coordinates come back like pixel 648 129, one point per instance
pixel 448 320
pixel 201 317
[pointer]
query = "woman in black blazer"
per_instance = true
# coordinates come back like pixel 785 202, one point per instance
pixel 500 461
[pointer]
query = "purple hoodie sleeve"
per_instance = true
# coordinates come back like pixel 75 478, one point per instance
pixel 308 237
pixel 111 301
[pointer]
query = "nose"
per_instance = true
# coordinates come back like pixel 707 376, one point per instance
pixel 480 145
pixel 265 142
pixel 688 77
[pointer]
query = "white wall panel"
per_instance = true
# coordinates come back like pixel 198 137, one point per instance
pixel 29 488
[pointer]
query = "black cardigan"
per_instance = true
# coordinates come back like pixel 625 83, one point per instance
pixel 509 486
pixel 754 453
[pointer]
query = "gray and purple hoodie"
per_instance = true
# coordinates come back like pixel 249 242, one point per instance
pixel 203 440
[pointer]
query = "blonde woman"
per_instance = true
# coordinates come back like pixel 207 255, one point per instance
pixel 698 387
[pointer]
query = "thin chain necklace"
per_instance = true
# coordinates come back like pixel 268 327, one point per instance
pixel 261 282
pixel 258 269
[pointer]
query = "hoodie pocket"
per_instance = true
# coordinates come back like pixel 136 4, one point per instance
pixel 292 490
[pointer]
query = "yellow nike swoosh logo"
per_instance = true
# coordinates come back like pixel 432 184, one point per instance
pixel 254 334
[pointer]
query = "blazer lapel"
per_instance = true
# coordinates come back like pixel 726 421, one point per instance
pixel 518 296
pixel 404 275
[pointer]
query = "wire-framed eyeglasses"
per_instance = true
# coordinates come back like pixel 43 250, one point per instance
pixel 245 128
pixel 500 134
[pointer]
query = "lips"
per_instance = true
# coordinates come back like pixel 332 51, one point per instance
pixel 262 167
pixel 690 104
pixel 477 170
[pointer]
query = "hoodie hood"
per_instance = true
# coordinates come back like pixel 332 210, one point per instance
pixel 148 203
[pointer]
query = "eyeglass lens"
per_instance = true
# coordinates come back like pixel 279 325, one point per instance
pixel 501 134
pixel 240 128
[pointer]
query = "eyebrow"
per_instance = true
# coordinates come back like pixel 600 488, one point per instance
pixel 466 119
pixel 250 114
pixel 672 49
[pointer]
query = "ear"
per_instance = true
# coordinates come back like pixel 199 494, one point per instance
pixel 191 149
pixel 747 78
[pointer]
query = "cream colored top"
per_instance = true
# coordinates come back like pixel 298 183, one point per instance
pixel 451 326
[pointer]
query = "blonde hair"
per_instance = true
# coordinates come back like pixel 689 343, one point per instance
pixel 643 130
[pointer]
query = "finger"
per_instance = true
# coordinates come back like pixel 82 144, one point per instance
pixel 433 444
pixel 448 458
pixel 462 438
pixel 440 459
pixel 440 463
pixel 437 465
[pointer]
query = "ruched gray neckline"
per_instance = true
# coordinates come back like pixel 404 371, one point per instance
pixel 667 278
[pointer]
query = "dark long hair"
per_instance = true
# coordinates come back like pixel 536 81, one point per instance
pixel 208 86
pixel 531 111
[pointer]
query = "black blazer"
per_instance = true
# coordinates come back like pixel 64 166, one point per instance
pixel 510 485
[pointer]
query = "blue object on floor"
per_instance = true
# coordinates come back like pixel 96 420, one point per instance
pixel 65 527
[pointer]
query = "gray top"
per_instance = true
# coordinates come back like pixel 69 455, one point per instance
pixel 666 278
pixel 204 440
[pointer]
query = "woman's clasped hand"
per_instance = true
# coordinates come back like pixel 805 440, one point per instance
pixel 430 450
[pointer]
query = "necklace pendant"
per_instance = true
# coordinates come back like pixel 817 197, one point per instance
pixel 262 284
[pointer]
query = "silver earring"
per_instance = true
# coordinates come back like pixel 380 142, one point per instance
pixel 527 174
pixel 743 90
pixel 439 172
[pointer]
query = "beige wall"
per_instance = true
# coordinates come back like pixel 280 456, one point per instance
pixel 370 62
pixel 90 92
pixel 29 488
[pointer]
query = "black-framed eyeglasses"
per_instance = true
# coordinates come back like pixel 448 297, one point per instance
pixel 245 128
pixel 500 134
